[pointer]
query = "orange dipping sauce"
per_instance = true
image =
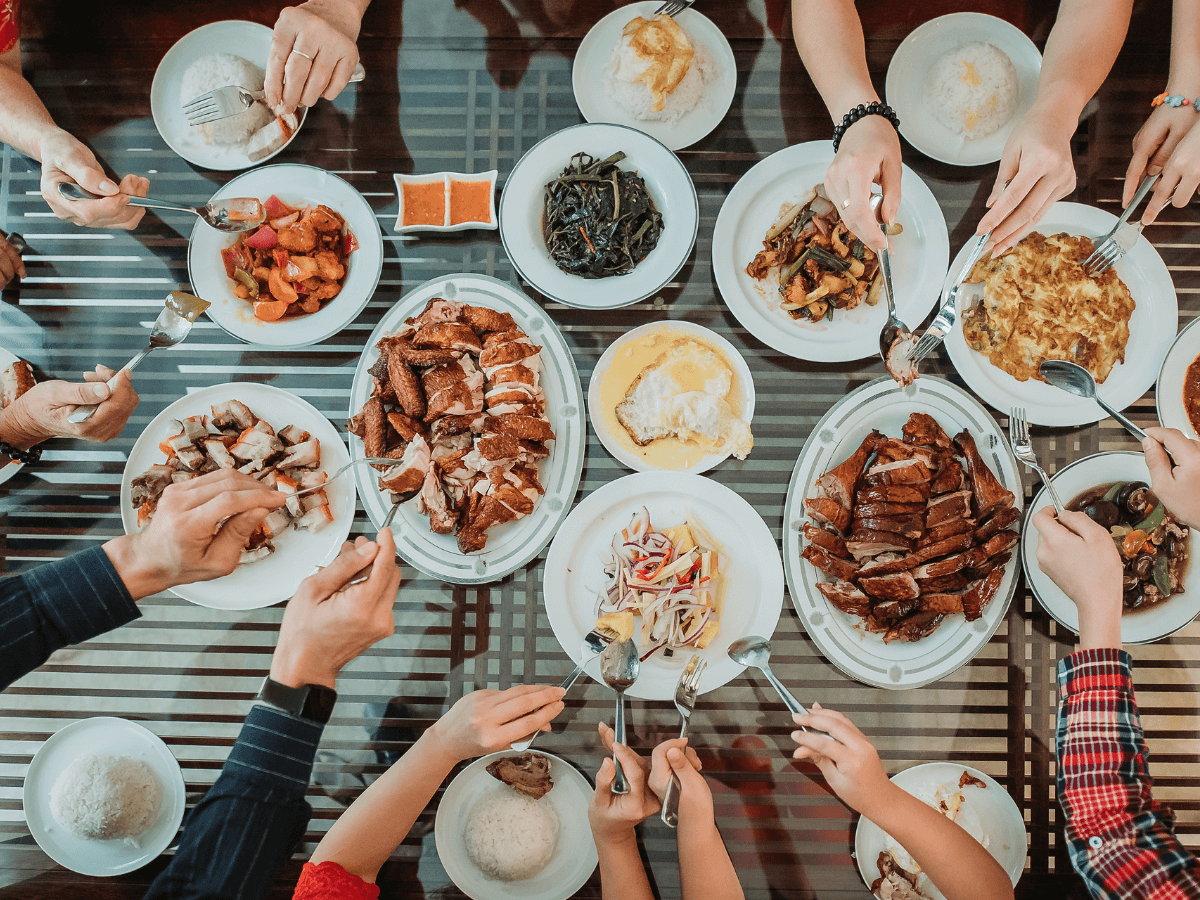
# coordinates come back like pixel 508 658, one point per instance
pixel 425 204
pixel 470 201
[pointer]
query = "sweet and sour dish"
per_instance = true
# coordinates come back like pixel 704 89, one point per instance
pixel 911 530
pixel 458 403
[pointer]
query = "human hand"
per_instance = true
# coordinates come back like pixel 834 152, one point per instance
pixel 328 622
pixel 11 264
pixel 1180 171
pixel 1153 145
pixel 1038 169
pixel 186 541
pixel 65 159
pixel 845 757
pixel 313 53
pixel 488 721
pixel 1080 557
pixel 41 412
pixel 656 771
pixel 869 153
pixel 1177 487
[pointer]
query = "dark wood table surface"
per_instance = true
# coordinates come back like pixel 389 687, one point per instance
pixel 470 86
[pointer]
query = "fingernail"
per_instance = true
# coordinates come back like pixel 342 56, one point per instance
pixel 108 186
pixel 100 391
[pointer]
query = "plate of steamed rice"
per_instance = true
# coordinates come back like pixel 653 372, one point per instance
pixel 514 826
pixel 213 56
pixel 959 84
pixel 673 78
pixel 103 796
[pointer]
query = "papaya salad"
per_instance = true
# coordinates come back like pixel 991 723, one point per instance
pixel 294 264
pixel 672 579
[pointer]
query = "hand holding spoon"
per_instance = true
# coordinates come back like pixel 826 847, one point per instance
pixel 619 665
pixel 232 215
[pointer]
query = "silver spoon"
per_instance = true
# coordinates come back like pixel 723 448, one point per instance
pixel 1075 379
pixel 233 215
pixel 172 326
pixel 893 328
pixel 756 651
pixel 619 666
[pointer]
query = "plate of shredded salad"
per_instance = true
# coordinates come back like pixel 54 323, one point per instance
pixel 679 562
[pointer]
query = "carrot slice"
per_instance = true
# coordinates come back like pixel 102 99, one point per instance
pixel 270 310
pixel 279 288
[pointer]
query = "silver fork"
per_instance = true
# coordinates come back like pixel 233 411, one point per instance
pixel 222 102
pixel 373 460
pixel 685 700
pixel 1018 436
pixel 944 320
pixel 673 8
pixel 1117 242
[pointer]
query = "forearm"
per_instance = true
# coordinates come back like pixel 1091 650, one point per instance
pixel 376 823
pixel 1080 51
pixel 138 571
pixel 829 37
pixel 958 864
pixel 24 120
pixel 1185 49
pixel 622 874
pixel 705 869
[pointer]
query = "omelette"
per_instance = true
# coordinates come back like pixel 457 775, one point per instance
pixel 1039 304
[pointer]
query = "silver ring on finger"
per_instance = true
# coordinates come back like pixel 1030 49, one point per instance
pixel 302 53
pixel 846 203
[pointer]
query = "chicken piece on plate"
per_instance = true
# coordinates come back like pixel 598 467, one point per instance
pixel 432 356
pixel 406 386
pixel 432 502
pixel 918 625
pixel 498 448
pixel 997 523
pixel 453 389
pixel 950 477
pixel 438 310
pixel 483 319
pixel 886 508
pixel 828 512
pixel 860 537
pixel 299 237
pixel 845 596
pixel 325 220
pixel 374 428
pixel 893 493
pixel 532 451
pixel 946 604
pixel 894 610
pixel 975 601
pixel 518 373
pixel 405 426
pixel 887 563
pixel 505 348
pixel 899 471
pixel 989 494
pixel 526 428
pixel 840 482
pixel 949 565
pixel 1000 542
pixel 908 526
pixel 939 533
pixel 893 882
pixel 922 428
pixel 947 507
pixel 447 336
pixel 956 543
pixel 826 540
pixel 897 586
pixel 840 569
pixel 943 584
pixel 525 478
pixel 329 268
pixel 409 474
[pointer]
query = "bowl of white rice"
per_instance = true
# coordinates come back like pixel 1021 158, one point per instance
pixel 960 83
pixel 212 56
pixel 103 796
pixel 498 844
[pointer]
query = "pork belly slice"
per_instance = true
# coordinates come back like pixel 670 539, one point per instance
pixel 949 478
pixel 841 569
pixel 293 434
pixel 897 586
pixel 150 484
pixel 997 523
pixel 276 523
pixel 845 596
pixel 990 495
pixel 948 507
pixel 908 526
pixel 15 380
pixel 192 458
pixel 945 583
pixel 889 611
pixel 255 445
pixel 947 604
pixel 252 556
pixel 195 427
pixel 918 625
pixel 826 540
pixel 887 563
pixel 232 414
pixel 901 471
pixel 975 601
pixel 840 482
pixel 315 518
pixel 888 509
pixel 303 455
pixel 949 565
pixel 893 493
pixel 288 487
pixel 447 336
pixel 939 533
pixel 922 428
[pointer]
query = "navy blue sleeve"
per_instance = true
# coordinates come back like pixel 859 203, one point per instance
pixel 252 819
pixel 57 604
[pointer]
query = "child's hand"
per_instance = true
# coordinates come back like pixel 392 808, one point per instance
pixel 1080 557
pixel 1178 487
pixel 614 815
pixel 695 798
pixel 488 721
pixel 844 756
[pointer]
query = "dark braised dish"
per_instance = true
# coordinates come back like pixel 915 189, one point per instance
pixel 598 219
pixel 1153 544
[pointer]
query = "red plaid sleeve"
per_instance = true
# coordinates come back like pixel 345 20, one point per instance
pixel 1121 841
pixel 10 33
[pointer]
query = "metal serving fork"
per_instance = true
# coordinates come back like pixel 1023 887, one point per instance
pixel 944 320
pixel 1123 236
pixel 673 8
pixel 685 701
pixel 1018 436
pixel 223 102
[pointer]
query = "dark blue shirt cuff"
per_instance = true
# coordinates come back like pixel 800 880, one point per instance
pixel 275 749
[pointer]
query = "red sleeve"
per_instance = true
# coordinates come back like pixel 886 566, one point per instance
pixel 9 32
pixel 329 881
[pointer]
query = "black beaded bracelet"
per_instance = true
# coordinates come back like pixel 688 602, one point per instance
pixel 874 108
pixel 32 455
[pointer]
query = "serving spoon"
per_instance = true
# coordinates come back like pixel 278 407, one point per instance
pixel 232 215
pixel 1075 379
pixel 619 664
pixel 893 328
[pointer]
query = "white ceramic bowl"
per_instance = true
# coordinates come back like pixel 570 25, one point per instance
pixel 1168 395
pixel 523 201
pixel 300 186
pixel 248 40
pixel 445 178
pixel 612 442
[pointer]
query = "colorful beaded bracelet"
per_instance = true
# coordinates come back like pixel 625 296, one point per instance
pixel 1175 100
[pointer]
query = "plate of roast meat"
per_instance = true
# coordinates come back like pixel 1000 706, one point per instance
pixel 902 517
pixel 469 386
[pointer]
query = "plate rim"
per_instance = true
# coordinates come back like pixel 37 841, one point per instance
pixel 1158 392
pixel 636 135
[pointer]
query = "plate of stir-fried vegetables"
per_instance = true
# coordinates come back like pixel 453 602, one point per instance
pixel 681 564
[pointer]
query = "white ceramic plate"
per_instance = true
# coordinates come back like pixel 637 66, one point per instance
pixel 575 570
pixel 884 405
pixel 1155 314
pixel 1147 626
pixel 915 57
pixel 12 467
pixel 1002 821
pixel 513 544
pixel 111 736
pixel 523 201
pixel 445 178
pixel 300 186
pixel 1168 395
pixel 919 257
pixel 611 442
pixel 574 858
pixel 298 552
pixel 248 40
pixel 590 76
